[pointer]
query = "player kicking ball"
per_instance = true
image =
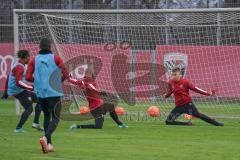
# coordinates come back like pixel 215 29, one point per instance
pixel 98 107
pixel 19 88
pixel 180 88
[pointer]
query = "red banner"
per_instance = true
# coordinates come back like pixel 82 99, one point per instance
pixel 208 67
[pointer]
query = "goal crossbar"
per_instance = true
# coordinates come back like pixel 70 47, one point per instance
pixel 121 11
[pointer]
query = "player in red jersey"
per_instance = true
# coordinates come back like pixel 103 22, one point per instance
pixel 97 105
pixel 17 87
pixel 180 88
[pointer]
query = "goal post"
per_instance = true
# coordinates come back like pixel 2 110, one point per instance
pixel 133 51
pixel 16 48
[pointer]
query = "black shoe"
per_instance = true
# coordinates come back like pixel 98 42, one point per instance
pixel 220 124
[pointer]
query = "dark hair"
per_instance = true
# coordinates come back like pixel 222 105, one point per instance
pixel 176 69
pixel 45 43
pixel 23 54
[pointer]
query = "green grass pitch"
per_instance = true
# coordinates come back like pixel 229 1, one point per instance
pixel 151 140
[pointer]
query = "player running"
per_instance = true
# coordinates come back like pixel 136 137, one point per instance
pixel 47 71
pixel 180 88
pixel 19 88
pixel 98 106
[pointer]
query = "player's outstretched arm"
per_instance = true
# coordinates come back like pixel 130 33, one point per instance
pixel 74 81
pixel 83 85
pixel 92 87
pixel 199 90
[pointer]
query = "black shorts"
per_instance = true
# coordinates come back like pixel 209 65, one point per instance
pixel 102 110
pixel 26 98
pixel 110 98
pixel 188 108
pixel 51 105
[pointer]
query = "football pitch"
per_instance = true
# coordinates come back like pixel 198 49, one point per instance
pixel 149 140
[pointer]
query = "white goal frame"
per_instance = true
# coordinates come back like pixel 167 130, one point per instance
pixel 16 13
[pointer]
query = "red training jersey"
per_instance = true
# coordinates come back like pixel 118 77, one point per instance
pixel 92 94
pixel 181 88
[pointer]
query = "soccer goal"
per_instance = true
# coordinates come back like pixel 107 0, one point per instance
pixel 133 52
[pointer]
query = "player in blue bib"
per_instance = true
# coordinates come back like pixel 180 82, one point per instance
pixel 18 87
pixel 47 71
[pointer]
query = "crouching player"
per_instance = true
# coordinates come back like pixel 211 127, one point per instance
pixel 180 88
pixel 18 87
pixel 98 107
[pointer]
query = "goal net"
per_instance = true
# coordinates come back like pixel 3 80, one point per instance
pixel 133 51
